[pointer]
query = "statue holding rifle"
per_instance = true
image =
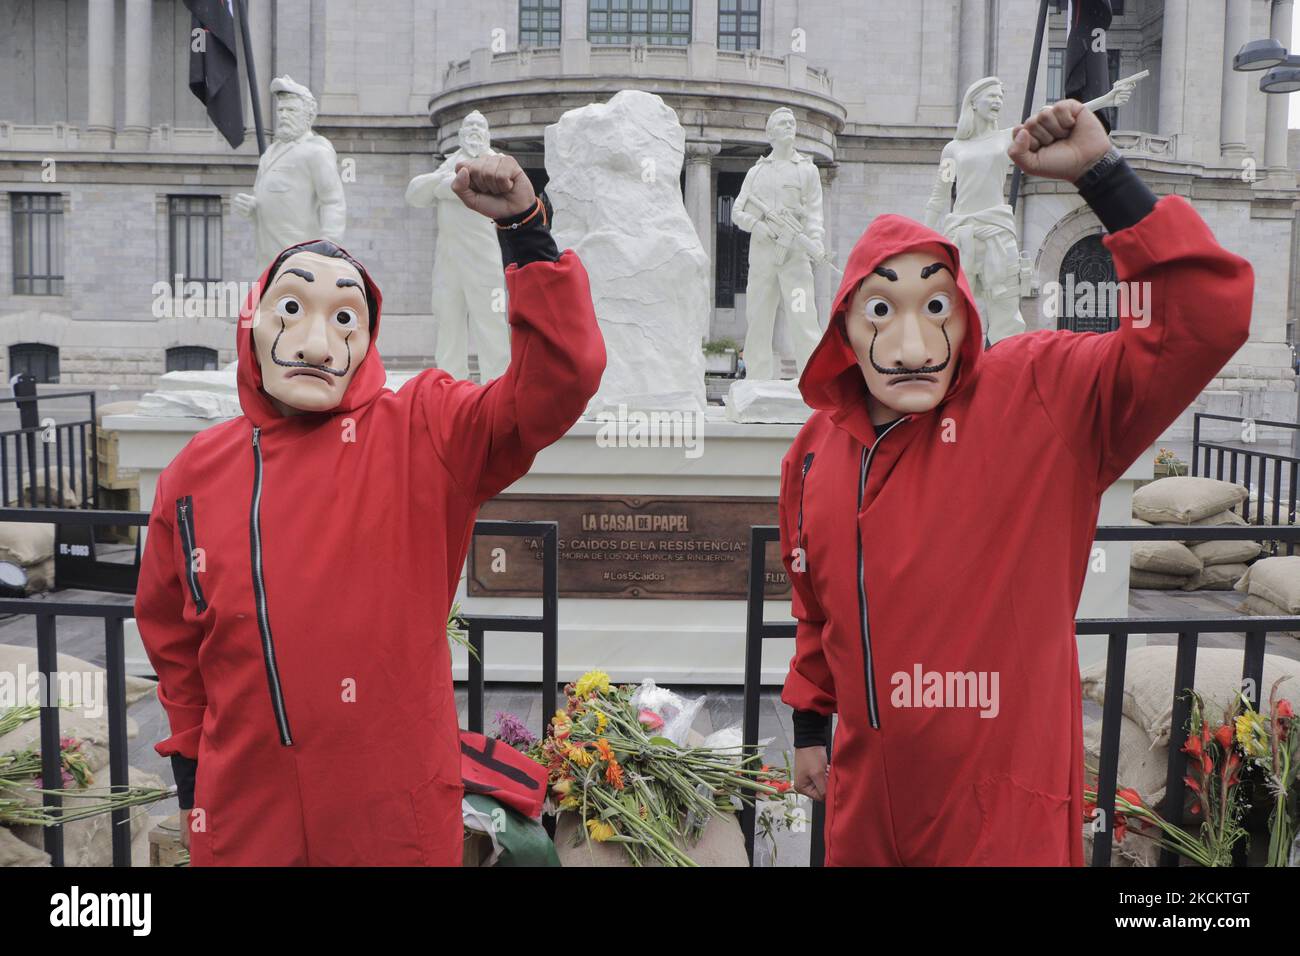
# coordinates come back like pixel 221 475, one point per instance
pixel 780 206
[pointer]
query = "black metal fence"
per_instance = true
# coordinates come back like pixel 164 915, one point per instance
pixel 1117 630
pixel 113 615
pixel 42 456
pixel 1260 471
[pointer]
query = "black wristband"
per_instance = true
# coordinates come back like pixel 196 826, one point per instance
pixel 531 241
pixel 811 729
pixel 1115 193
pixel 184 770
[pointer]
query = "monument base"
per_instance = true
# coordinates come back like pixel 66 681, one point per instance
pixel 674 639
pixel 766 402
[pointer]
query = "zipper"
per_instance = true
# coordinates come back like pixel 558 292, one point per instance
pixel 185 521
pixel 259 593
pixel 807 464
pixel 868 669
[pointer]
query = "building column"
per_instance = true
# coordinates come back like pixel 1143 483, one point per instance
pixel 1173 73
pixel 261 36
pixel 939 97
pixel 575 51
pixel 138 53
pixel 100 56
pixel 972 45
pixel 825 281
pixel 1277 105
pixel 699 197
pixel 1232 116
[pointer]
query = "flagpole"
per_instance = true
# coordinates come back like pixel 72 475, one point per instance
pixel 1029 88
pixel 251 69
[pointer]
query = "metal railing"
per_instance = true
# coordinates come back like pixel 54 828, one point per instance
pixel 47 613
pixel 1117 630
pixel 74 446
pixel 1232 463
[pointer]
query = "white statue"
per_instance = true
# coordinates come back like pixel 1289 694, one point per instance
pixel 468 277
pixel 298 194
pixel 780 206
pixel 980 221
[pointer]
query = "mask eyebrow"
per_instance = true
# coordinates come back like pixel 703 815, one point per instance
pixel 301 273
pixel 933 268
pixel 345 282
pixel 888 273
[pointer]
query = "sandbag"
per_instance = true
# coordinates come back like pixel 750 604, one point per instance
pixel 1142 766
pixel 46 494
pixel 1216 577
pixel 1226 552
pixel 1185 499
pixel 1137 578
pixel 26 543
pixel 1164 557
pixel 1149 680
pixel 1276 580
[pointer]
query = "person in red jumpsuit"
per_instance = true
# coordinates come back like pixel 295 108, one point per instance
pixel 301 559
pixel 937 514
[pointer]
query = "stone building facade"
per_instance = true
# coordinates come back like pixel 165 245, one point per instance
pixel 108 160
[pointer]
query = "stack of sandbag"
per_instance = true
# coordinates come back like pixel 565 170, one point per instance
pixel 1272 588
pixel 86 842
pixel 1250 510
pixel 1189 565
pixel 1147 714
pixel 31 547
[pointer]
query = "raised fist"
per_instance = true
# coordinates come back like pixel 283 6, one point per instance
pixel 494 185
pixel 1061 141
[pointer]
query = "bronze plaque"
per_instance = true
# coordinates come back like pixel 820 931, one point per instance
pixel 628 546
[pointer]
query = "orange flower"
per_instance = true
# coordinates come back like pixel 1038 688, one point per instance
pixel 614 775
pixel 604 749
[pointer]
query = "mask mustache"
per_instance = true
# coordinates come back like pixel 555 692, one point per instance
pixel 923 370
pixel 337 372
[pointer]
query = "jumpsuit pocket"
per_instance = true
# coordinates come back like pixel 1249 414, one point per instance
pixel 439 822
pixel 185 524
pixel 1019 825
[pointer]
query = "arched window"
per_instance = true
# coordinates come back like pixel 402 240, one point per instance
pixel 1089 288
pixel 34 359
pixel 191 358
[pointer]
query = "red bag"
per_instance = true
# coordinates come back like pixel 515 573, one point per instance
pixel 490 767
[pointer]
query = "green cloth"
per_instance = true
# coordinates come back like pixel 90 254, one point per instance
pixel 523 841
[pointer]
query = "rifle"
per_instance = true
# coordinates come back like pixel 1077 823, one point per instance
pixel 788 231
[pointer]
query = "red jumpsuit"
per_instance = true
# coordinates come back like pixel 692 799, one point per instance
pixel 973 532
pixel 303 659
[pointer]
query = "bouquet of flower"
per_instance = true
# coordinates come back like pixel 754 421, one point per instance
pixel 629 785
pixel 1218 756
pixel 20 776
pixel 1273 745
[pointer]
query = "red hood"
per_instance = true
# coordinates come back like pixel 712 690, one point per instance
pixel 365 385
pixel 832 379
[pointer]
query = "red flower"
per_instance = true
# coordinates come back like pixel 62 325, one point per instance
pixel 1193 746
pixel 1192 784
pixel 1223 736
pixel 1283 708
pixel 1130 795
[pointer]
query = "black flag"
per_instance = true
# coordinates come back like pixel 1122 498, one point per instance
pixel 1087 66
pixel 214 70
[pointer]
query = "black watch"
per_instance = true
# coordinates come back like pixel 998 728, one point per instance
pixel 1098 170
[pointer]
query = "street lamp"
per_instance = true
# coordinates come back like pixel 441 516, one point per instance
pixel 1283 76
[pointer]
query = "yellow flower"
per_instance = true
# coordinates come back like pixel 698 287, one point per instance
pixel 601 722
pixel 579 755
pixel 569 803
pixel 592 681
pixel 1251 734
pixel 562 787
pixel 600 830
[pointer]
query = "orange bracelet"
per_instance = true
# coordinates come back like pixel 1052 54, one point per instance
pixel 540 207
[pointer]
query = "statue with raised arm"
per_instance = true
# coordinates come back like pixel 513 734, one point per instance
pixel 468 279
pixel 967 203
pixel 298 194
pixel 780 206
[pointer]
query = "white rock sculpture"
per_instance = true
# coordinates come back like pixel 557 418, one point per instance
pixel 614 183
pixel 298 194
pixel 468 278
